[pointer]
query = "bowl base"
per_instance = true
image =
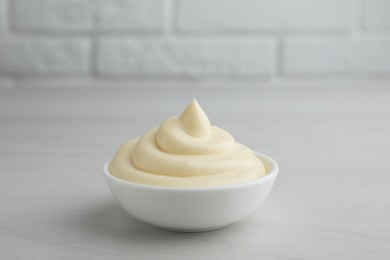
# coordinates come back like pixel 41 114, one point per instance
pixel 195 230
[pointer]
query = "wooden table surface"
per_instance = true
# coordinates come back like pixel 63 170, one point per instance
pixel 331 199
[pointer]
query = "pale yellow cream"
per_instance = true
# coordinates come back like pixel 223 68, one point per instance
pixel 186 151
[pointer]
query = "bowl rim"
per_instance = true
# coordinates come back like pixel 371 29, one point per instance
pixel 272 173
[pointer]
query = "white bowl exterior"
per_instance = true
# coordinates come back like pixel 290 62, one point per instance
pixel 194 208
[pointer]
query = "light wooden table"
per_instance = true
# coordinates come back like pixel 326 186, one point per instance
pixel 331 200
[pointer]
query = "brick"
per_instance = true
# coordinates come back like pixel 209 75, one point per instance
pixel 45 56
pixel 88 15
pixel 121 57
pixel 377 14
pixel 130 15
pixel 338 56
pixel 262 15
pixel 53 15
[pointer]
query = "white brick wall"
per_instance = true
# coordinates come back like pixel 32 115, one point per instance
pixel 44 57
pixel 53 15
pixel 261 39
pixel 88 15
pixel 337 56
pixel 263 15
pixel 121 57
pixel 130 15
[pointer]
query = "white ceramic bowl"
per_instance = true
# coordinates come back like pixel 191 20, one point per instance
pixel 193 209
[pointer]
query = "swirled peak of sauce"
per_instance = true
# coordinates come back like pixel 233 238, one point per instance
pixel 186 151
